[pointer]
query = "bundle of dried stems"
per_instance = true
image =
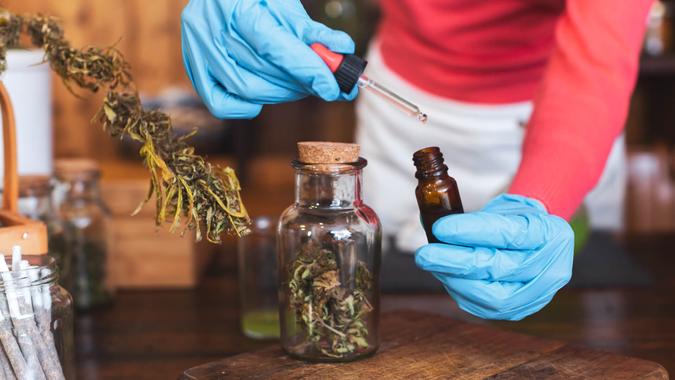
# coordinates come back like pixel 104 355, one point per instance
pixel 188 190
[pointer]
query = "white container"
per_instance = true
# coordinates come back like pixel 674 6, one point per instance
pixel 28 82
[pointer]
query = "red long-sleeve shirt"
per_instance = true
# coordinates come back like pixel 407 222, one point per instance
pixel 577 59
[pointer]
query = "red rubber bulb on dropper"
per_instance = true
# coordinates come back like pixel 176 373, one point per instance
pixel 332 59
pixel 347 68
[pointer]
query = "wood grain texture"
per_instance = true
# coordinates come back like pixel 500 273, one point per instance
pixel 143 255
pixel 581 363
pixel 419 345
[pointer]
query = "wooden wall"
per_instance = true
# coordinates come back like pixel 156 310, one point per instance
pixel 146 31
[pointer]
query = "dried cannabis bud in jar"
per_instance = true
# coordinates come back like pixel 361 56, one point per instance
pixel 331 315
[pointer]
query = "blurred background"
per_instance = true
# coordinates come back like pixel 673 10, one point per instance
pixel 148 34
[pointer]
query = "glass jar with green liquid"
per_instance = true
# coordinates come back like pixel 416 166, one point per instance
pixel 258 280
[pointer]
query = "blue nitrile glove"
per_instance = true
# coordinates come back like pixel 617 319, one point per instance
pixel 241 54
pixel 506 261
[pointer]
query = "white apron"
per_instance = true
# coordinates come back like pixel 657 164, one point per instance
pixel 481 145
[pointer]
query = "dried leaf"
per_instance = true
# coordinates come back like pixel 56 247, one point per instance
pixel 176 173
pixel 331 316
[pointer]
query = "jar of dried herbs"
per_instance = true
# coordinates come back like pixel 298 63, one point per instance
pixel 84 218
pixel 329 258
pixel 36 202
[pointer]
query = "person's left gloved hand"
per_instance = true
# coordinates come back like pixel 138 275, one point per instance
pixel 506 261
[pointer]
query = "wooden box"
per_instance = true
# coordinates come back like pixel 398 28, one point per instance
pixel 142 255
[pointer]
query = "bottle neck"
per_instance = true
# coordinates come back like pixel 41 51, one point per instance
pixel 429 163
pixel 327 190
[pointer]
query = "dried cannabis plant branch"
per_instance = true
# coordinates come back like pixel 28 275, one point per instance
pixel 185 186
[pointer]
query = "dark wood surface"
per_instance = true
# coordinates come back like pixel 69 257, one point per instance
pixel 159 334
pixel 418 345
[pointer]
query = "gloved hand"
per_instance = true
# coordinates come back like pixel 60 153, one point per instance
pixel 240 54
pixel 506 261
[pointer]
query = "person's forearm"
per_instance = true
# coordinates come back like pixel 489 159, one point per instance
pixel 582 103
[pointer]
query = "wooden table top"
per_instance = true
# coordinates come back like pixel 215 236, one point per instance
pixel 417 345
pixel 159 334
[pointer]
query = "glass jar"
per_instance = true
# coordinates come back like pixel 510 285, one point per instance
pixel 36 322
pixel 329 261
pixel 84 219
pixel 258 280
pixel 36 202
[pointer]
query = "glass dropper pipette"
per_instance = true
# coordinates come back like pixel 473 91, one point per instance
pixel 348 70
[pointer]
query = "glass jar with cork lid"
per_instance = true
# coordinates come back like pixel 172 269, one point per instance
pixel 329 247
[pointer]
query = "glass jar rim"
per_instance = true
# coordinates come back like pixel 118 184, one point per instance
pixel 42 270
pixel 337 168
pixel 76 169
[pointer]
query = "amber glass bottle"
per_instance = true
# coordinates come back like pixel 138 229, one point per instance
pixel 436 192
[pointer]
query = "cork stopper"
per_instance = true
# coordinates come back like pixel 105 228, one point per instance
pixel 318 152
pixel 76 168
